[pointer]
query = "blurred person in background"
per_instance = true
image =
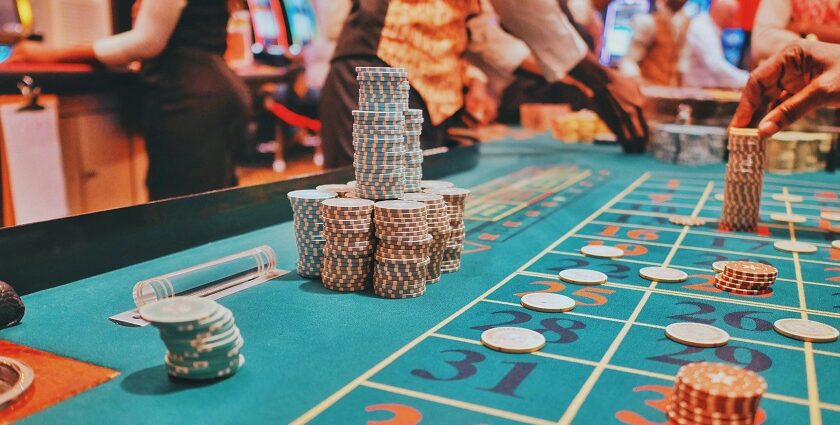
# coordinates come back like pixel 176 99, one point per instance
pixel 779 22
pixel 429 38
pixel 703 63
pixel 656 45
pixel 195 108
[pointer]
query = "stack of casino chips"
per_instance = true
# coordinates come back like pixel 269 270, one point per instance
pixel 715 393
pixel 744 175
pixel 746 278
pixel 341 190
pixel 413 157
pixel 379 132
pixel 306 205
pixel 348 251
pixel 201 337
pixel 456 199
pixel 437 219
pixel 402 252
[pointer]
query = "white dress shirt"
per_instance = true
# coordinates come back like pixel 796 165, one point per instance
pixel 702 63
pixel 644 32
pixel 155 23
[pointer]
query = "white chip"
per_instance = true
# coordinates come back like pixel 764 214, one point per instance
pixel 602 251
pixel 835 244
pixel 795 246
pixel 719 197
pixel 830 215
pixel 788 218
pixel 512 340
pixel 583 276
pixel 663 274
pixel 696 334
pixel 781 197
pixel 547 302
pixel 806 330
pixel 719 266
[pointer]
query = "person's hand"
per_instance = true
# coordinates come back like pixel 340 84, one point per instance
pixel 617 100
pixel 803 76
pixel 30 52
pixel 479 105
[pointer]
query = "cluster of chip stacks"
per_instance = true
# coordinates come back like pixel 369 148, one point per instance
pixel 437 219
pixel 402 253
pixel 456 199
pixel 379 132
pixel 715 393
pixel 201 337
pixel 306 207
pixel 746 278
pixel 348 251
pixel 413 157
pixel 744 175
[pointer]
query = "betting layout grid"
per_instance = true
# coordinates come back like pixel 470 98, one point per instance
pixel 617 328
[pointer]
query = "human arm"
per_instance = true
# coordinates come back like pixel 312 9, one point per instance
pixel 770 31
pixel 803 76
pixel 156 20
pixel 827 33
pixel 643 33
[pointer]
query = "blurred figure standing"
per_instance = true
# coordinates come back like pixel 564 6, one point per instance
pixel 779 22
pixel 703 63
pixel 657 42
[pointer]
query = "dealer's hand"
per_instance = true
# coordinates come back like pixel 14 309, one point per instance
pixel 803 76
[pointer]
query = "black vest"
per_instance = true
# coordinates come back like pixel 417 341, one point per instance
pixel 203 26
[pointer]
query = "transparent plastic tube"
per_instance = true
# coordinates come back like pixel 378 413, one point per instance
pixel 208 278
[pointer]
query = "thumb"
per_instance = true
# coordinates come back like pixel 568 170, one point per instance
pixel 780 117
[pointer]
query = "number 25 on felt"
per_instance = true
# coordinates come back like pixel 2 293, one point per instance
pixel 594 296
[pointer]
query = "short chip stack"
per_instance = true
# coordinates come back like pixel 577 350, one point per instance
pixel 402 255
pixel 437 220
pixel 746 278
pixel 349 247
pixel 201 337
pixel 456 199
pixel 715 393
pixel 379 132
pixel 306 206
pixel 413 157
pixel 744 176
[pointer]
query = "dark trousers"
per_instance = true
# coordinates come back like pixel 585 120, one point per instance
pixel 340 96
pixel 195 112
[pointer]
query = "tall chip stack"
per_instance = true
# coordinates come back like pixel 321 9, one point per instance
pixel 437 220
pixel 306 207
pixel 348 250
pixel 456 199
pixel 402 253
pixel 744 176
pixel 715 393
pixel 379 132
pixel 413 157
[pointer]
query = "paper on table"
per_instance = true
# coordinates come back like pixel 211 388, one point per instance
pixel 36 174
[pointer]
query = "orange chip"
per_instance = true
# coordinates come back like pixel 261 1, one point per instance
pixel 750 269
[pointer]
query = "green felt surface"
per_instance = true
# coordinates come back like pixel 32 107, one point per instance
pixel 304 343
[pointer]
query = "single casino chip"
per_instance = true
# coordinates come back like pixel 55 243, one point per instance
pixel 719 197
pixel 602 251
pixel 510 339
pixel 751 269
pixel 583 276
pixel 547 302
pixel 788 218
pixel 835 244
pixel 781 197
pixel 663 274
pixel 718 266
pixel 696 334
pixel 795 246
pixel 806 330
pixel 179 310
pixel 683 220
pixel 830 215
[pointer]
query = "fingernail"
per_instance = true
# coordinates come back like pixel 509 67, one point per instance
pixel 767 128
